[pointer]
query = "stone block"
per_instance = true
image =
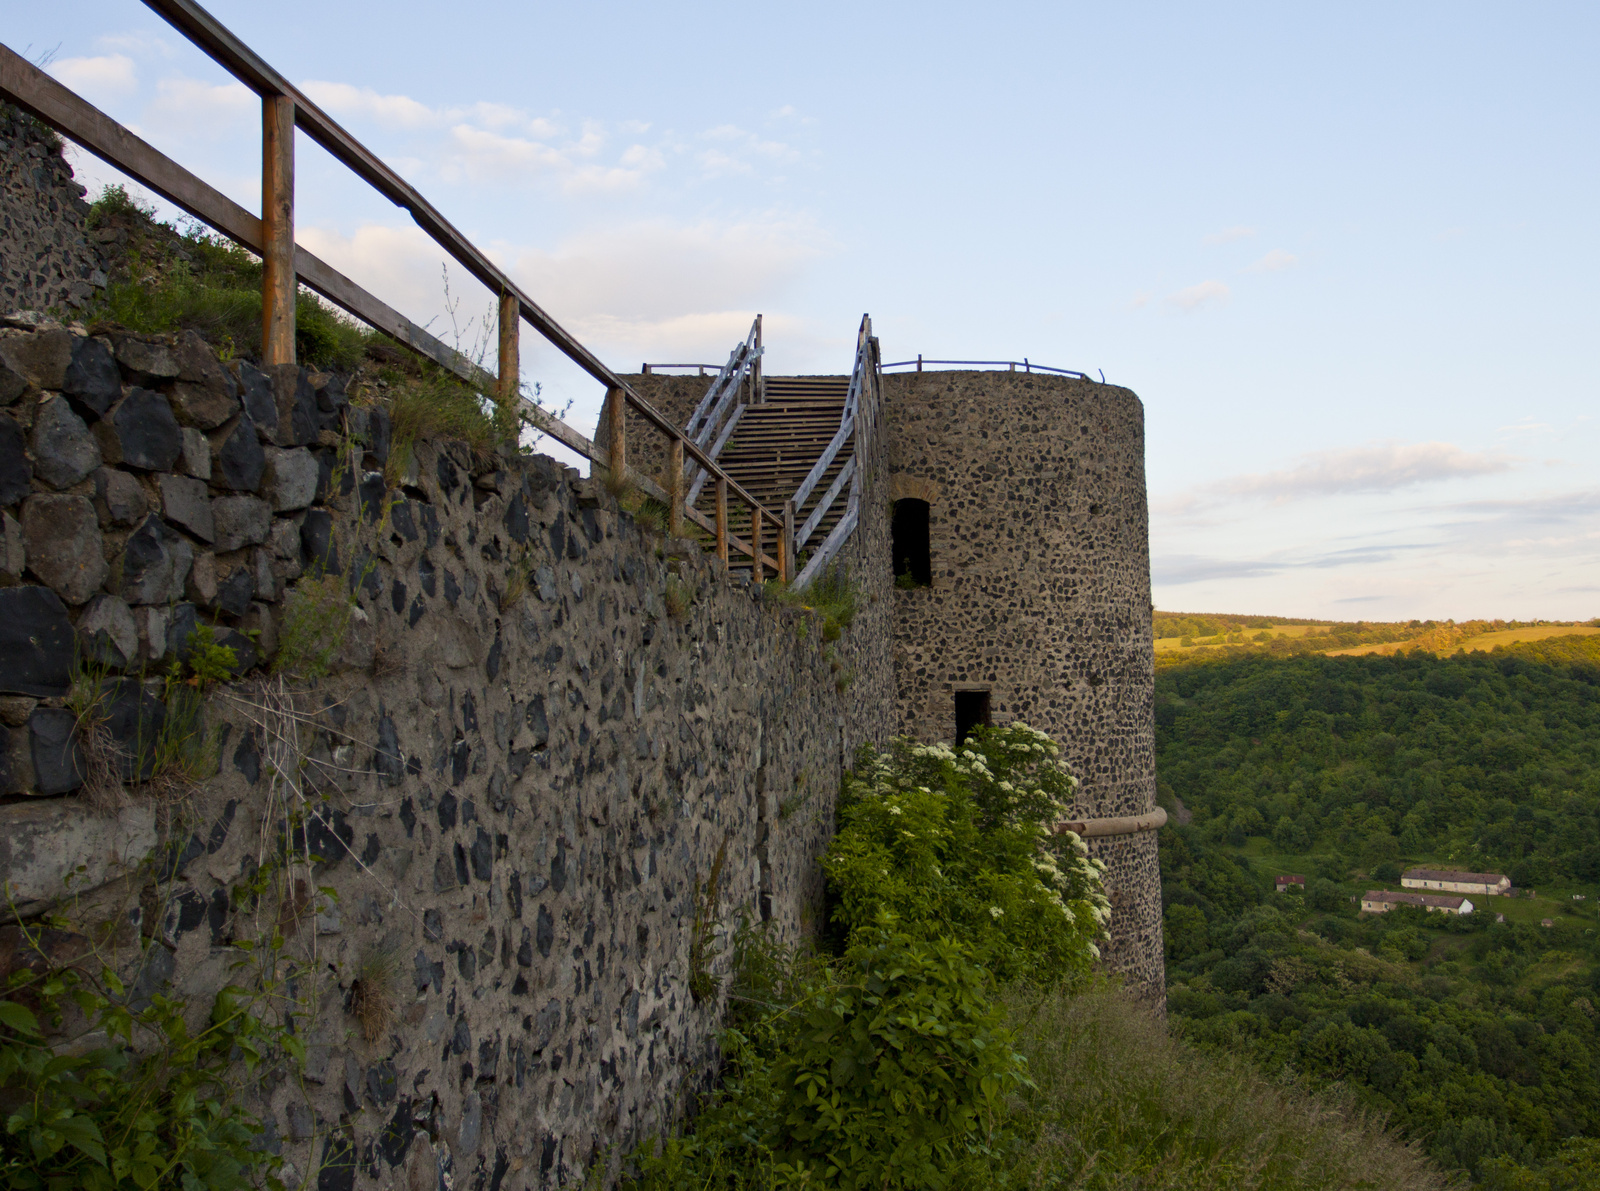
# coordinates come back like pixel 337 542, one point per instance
pixel 320 550
pixel 201 587
pixel 152 621
pixel 196 454
pixel 290 479
pixel 285 538
pixel 155 563
pixel 120 499
pixel 198 364
pixel 141 432
pixel 51 849
pixel 260 621
pixel 380 433
pixel 58 765
pixel 35 642
pixel 16 760
pixel 39 357
pixel 12 384
pixel 134 720
pixel 235 590
pixel 241 521
pixel 205 407
pixel 93 380
pixel 147 363
pixel 237 461
pixel 296 405
pixel 62 536
pixel 106 632
pixel 260 402
pixel 16 470
pixel 186 503
pixel 13 552
pixel 64 452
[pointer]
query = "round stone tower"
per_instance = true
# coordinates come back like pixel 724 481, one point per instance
pixel 1021 535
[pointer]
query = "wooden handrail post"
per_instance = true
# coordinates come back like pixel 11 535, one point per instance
pixel 786 544
pixel 277 229
pixel 722 521
pixel 759 379
pixel 617 432
pixel 674 487
pixel 510 379
pixel 757 532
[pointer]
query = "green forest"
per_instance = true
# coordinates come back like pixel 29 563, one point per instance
pixel 1479 1036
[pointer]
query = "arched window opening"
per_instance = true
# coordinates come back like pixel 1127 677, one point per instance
pixel 972 711
pixel 913 562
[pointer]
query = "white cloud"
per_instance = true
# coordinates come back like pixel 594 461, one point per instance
pixel 1207 293
pixel 108 75
pixel 188 106
pixel 389 111
pixel 1375 467
pixel 1273 261
pixel 136 42
pixel 1229 235
pixel 646 290
pixel 738 151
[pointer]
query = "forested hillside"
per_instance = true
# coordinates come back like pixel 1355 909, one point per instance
pixel 1479 1037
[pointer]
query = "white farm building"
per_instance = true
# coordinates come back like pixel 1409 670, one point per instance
pixel 1483 884
pixel 1381 901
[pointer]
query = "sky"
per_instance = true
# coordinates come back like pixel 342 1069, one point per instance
pixel 1347 255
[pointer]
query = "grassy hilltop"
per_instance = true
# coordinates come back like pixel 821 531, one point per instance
pixel 1183 637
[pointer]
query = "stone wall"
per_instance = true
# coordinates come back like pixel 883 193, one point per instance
pixel 1038 530
pixel 47 258
pixel 544 733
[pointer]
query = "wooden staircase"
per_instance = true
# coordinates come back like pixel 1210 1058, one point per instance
pixel 789 443
pixel 776 443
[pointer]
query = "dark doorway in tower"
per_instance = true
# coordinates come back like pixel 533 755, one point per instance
pixel 913 562
pixel 972 711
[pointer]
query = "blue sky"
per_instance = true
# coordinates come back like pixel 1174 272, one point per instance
pixel 1347 254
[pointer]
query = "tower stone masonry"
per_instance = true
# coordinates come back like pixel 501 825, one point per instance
pixel 1039 604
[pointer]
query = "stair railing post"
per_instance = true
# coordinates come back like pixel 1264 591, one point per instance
pixel 786 544
pixel 509 384
pixel 674 487
pixel 759 376
pixel 757 532
pixel 277 230
pixel 617 433
pixel 722 521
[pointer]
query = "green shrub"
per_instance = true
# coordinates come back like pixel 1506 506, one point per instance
pixel 155 1106
pixel 194 280
pixel 958 841
pixel 316 618
pixel 888 1068
pixel 435 408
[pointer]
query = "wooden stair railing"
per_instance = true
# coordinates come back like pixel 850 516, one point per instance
pixel 287 265
pixel 860 407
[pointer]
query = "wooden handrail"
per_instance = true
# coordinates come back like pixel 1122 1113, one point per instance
pixel 853 423
pixel 288 264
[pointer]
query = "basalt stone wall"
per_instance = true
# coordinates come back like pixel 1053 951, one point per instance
pixel 1038 535
pixel 48 260
pixel 555 761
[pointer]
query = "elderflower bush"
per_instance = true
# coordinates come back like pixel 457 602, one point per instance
pixel 957 842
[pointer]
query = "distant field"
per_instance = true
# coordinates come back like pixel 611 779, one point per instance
pixel 1278 630
pixel 1479 644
